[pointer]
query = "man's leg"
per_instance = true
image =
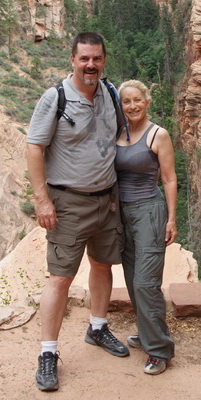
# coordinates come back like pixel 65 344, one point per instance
pixel 52 308
pixel 52 305
pixel 100 285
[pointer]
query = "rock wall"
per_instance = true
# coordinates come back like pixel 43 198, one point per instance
pixel 13 222
pixel 189 110
pixel 168 3
pixel 41 17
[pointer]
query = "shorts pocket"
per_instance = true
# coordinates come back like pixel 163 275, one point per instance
pixel 120 237
pixel 60 249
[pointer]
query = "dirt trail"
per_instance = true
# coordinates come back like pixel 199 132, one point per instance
pixel 89 373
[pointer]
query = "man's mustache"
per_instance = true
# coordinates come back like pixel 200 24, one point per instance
pixel 90 71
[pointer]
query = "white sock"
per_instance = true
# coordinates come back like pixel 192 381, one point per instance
pixel 50 345
pixel 97 322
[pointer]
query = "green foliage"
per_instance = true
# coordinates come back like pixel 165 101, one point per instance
pixel 138 15
pixel 198 153
pixel 8 22
pixel 71 18
pixel 82 17
pixel 22 234
pixel 182 201
pixel 6 66
pixel 15 80
pixel 29 190
pixel 103 21
pixel 15 59
pixel 8 91
pixel 162 105
pixel 194 225
pixel 40 11
pixel 35 72
pixel 28 208
pixel 50 53
pixel 174 4
pixel 26 174
pixel 122 69
pixel 5 294
pixel 19 108
pixel 21 130
pixel 187 5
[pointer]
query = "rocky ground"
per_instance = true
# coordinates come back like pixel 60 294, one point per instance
pixel 88 372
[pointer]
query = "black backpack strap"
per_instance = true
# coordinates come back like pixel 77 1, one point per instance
pixel 121 120
pixel 61 100
pixel 62 104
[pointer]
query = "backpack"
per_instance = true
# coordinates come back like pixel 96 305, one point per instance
pixel 121 120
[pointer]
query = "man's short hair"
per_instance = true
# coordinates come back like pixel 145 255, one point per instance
pixel 88 38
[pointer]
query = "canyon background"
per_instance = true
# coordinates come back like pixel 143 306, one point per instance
pixel 35 42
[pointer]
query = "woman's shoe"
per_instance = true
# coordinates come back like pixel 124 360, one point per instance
pixel 134 341
pixel 155 366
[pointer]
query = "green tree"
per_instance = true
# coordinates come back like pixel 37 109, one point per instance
pixel 71 15
pixel 118 67
pixel 182 214
pixel 104 19
pixel 138 15
pixel 8 23
pixel 82 19
pixel 167 31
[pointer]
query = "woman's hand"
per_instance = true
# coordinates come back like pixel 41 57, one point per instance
pixel 171 233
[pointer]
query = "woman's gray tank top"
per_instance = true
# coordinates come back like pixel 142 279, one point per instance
pixel 137 171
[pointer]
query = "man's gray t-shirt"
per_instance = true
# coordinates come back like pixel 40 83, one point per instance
pixel 80 157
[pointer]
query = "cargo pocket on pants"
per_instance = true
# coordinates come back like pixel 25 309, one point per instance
pixel 120 238
pixel 153 265
pixel 61 250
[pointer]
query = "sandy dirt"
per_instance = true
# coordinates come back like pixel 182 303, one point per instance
pixel 89 373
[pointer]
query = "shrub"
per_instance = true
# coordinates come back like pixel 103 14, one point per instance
pixel 28 208
pixel 8 91
pixel 22 234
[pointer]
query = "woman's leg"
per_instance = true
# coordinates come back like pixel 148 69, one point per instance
pixel 147 223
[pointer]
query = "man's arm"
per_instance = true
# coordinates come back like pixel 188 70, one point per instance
pixel 44 208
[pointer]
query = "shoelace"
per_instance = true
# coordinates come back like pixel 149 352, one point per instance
pixel 49 363
pixel 107 335
pixel 153 360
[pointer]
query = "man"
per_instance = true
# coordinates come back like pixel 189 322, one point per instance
pixel 72 172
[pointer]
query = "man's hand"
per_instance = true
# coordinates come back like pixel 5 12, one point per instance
pixel 44 208
pixel 46 213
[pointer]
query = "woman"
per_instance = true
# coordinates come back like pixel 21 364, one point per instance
pixel 149 220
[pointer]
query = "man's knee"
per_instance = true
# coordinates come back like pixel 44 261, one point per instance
pixel 60 283
pixel 98 265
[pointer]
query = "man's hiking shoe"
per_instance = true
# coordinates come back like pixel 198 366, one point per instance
pixel 105 339
pixel 46 376
pixel 134 341
pixel 155 366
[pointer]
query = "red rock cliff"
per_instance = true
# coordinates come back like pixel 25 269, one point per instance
pixel 190 99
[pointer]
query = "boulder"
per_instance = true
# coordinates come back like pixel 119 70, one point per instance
pixel 23 273
pixel 186 299
pixel 180 267
pixel 15 315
